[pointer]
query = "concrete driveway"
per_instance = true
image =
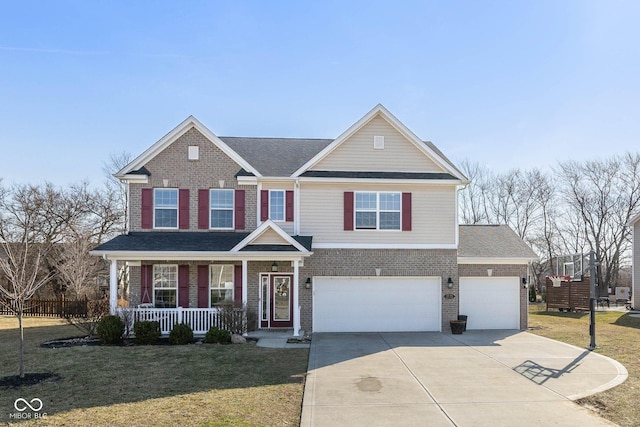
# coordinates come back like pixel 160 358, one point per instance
pixel 480 378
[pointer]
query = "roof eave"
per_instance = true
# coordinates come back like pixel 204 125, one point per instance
pixel 496 260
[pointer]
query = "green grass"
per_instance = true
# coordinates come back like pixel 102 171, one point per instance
pixel 209 385
pixel 618 337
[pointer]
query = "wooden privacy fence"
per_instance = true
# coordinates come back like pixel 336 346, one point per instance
pixel 49 308
pixel 571 296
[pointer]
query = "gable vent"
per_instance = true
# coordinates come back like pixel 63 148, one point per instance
pixel 378 142
pixel 194 152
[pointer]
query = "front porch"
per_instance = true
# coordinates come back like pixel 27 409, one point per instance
pixel 200 320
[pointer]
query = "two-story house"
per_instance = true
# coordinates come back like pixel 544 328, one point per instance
pixel 356 233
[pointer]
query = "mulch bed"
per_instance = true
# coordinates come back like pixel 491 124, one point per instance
pixel 71 342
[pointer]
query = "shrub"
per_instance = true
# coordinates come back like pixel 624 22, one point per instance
pixel 110 329
pixel 146 332
pixel 215 335
pixel 237 318
pixel 96 310
pixel 181 334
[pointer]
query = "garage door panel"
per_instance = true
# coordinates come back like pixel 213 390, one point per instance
pixel 490 302
pixel 375 304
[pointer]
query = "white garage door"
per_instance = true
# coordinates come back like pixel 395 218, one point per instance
pixel 490 302
pixel 376 304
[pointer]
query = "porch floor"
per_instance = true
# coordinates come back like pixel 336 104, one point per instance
pixel 276 339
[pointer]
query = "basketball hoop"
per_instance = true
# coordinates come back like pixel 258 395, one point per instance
pixel 557 280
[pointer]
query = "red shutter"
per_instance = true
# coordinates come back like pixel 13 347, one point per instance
pixel 406 211
pixel 237 284
pixel 203 209
pixel 203 286
pixel 288 206
pixel 239 209
pixel 146 284
pixel 348 210
pixel 183 286
pixel 147 208
pixel 183 208
pixel 264 205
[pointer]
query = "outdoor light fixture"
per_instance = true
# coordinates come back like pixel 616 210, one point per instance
pixel 449 283
pixel 307 284
pixel 524 282
pixel 274 267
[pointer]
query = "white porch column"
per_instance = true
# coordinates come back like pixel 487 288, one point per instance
pixel 244 289
pixel 296 306
pixel 113 286
pixel 244 281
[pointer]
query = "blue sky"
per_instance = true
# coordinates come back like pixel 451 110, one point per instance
pixel 505 83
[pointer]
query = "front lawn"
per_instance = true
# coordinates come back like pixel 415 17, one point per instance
pixel 210 384
pixel 618 337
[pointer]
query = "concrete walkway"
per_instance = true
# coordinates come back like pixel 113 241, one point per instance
pixel 480 378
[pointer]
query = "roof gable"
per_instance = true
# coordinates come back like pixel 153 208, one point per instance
pixel 269 234
pixel 430 159
pixel 189 123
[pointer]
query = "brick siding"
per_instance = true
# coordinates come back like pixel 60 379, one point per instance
pixel 172 164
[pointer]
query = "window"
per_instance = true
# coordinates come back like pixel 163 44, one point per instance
pixel 165 207
pixel 165 286
pixel 221 283
pixel 276 205
pixel 377 211
pixel 221 206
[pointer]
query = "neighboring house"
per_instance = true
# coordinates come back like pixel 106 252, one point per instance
pixel 357 233
pixel 635 294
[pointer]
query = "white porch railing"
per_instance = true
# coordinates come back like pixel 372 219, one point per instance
pixel 199 319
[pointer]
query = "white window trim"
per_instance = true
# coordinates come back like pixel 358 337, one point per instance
pixel 377 211
pixel 233 280
pixel 233 209
pixel 284 205
pixel 153 282
pixel 177 209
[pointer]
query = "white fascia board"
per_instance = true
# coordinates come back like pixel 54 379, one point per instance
pixel 387 181
pixel 268 224
pixel 497 261
pixel 336 142
pixel 247 180
pixel 381 246
pixel 201 256
pixel 174 134
pixel 135 178
pixel 394 122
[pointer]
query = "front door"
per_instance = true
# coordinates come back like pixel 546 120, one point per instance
pixel 276 305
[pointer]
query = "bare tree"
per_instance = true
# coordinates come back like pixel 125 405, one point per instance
pixel 604 195
pixel 116 162
pixel 474 197
pixel 24 254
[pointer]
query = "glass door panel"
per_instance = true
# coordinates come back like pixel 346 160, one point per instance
pixel 281 299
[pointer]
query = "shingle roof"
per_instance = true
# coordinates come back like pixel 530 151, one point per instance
pixel 492 241
pixel 276 156
pixel 186 242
